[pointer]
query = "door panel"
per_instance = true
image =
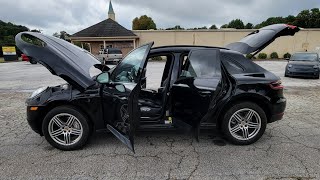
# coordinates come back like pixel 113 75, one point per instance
pixel 120 96
pixel 193 91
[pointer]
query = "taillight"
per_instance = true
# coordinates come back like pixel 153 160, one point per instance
pixel 276 85
pixel 291 26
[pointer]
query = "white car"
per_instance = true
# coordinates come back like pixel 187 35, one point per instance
pixel 110 55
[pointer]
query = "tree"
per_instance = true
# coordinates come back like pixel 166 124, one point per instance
pixel 224 26
pixel 177 27
pixel 248 26
pixel 8 31
pixel 36 30
pixel 213 27
pixel 62 35
pixel 143 23
pixel 237 24
pixel 204 27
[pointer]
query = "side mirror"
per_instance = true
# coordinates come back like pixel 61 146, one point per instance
pixel 103 78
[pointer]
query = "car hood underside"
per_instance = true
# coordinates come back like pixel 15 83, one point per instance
pixel 60 57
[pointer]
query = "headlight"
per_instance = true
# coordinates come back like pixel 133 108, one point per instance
pixel 290 66
pixel 37 92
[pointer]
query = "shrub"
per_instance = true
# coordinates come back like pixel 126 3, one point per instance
pixel 250 56
pixel 287 56
pixel 157 58
pixel 274 55
pixel 262 56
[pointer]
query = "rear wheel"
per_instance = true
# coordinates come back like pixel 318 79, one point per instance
pixel 244 123
pixel 66 128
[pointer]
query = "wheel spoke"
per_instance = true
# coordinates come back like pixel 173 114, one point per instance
pixel 76 132
pixel 237 117
pixel 249 116
pixel 235 129
pixel 67 138
pixel 58 122
pixel 245 133
pixel 70 121
pixel 56 133
pixel 253 125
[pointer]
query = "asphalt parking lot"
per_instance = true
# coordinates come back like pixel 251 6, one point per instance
pixel 290 149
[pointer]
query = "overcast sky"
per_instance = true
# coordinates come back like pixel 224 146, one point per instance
pixel 73 15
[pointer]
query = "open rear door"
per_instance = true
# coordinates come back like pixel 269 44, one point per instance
pixel 259 39
pixel 198 87
pixel 120 96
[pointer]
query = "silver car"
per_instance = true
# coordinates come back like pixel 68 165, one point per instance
pixel 110 55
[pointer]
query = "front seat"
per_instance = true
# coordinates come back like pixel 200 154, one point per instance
pixel 153 107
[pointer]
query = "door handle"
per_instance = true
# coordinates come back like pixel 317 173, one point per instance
pixel 205 93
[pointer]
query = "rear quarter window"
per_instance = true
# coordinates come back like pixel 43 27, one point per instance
pixel 238 64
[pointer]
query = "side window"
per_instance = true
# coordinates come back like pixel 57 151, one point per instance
pixel 203 63
pixel 232 66
pixel 154 78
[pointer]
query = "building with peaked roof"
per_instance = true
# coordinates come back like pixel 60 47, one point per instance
pixel 107 33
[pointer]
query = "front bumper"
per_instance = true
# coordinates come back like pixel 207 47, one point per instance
pixel 306 73
pixel 277 110
pixel 35 118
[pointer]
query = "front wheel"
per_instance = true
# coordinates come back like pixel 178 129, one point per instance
pixel 244 123
pixel 32 61
pixel 66 128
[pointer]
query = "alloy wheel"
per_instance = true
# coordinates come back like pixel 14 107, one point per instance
pixel 65 129
pixel 244 124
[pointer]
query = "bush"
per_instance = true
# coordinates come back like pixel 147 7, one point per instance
pixel 287 56
pixel 274 55
pixel 262 56
pixel 250 56
pixel 157 58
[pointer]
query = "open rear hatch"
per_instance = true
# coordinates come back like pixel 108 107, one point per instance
pixel 259 39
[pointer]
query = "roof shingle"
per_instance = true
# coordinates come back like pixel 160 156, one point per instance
pixel 106 28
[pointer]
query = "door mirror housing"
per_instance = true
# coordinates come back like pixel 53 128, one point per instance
pixel 103 78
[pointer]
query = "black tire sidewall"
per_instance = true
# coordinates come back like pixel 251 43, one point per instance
pixel 235 108
pixel 79 115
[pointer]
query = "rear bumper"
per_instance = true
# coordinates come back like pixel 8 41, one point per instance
pixel 277 110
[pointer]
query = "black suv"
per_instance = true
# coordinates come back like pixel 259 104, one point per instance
pixel 201 87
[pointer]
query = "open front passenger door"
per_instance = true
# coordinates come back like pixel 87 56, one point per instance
pixel 120 96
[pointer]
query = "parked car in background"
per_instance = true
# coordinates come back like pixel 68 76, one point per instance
pixel 27 58
pixel 110 55
pixel 303 64
pixel 201 87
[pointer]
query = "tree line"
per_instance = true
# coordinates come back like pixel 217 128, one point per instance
pixel 305 19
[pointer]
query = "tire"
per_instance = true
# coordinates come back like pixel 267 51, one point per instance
pixel 32 61
pixel 317 76
pixel 62 136
pixel 286 75
pixel 231 122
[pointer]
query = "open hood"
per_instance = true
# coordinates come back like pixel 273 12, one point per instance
pixel 60 57
pixel 259 39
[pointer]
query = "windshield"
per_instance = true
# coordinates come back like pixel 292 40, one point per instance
pixel 129 68
pixel 304 57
